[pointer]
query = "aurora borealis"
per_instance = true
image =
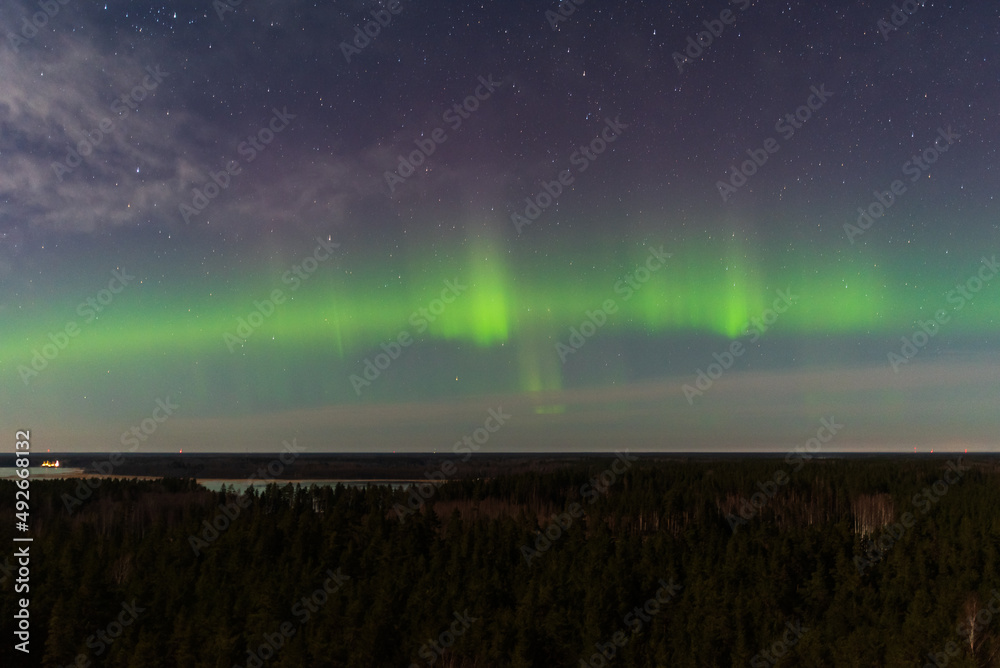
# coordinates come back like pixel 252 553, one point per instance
pixel 271 280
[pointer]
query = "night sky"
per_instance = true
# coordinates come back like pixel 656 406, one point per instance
pixel 654 226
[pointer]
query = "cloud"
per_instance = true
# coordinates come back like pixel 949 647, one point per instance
pixel 55 98
pixel 59 89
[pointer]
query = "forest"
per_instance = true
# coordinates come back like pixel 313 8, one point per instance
pixel 610 560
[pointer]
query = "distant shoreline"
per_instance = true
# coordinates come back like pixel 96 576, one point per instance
pixel 370 481
pixel 80 473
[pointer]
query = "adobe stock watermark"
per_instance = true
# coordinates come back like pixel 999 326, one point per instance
pixel 581 158
pixel 697 45
pixel 434 649
pixel 970 631
pixel 302 610
pixel 29 29
pixel 228 512
pixel 786 127
pixel 564 10
pixel 421 492
pixel 636 620
pixel 102 639
pixel 755 328
pixel 420 320
pixel 454 117
pixel 625 287
pixel 223 6
pixel 779 648
pixel 923 501
pixel 900 15
pixel 293 277
pixel 85 487
pixel 928 329
pixel 88 309
pixel 148 426
pixel 749 508
pixel 122 106
pixel 369 30
pixel 250 148
pixel 591 491
pixel 915 167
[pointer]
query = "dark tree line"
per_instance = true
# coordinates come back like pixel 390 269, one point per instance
pixel 793 564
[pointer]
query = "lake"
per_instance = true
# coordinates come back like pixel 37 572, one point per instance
pixel 242 484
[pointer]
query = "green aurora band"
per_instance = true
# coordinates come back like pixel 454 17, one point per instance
pixel 527 301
